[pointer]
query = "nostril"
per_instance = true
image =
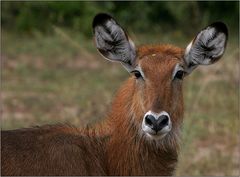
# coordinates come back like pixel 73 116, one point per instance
pixel 148 121
pixel 164 121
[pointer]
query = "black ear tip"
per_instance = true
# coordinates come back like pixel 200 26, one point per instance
pixel 100 19
pixel 220 27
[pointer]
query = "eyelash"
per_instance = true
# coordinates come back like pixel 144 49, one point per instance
pixel 137 74
pixel 179 75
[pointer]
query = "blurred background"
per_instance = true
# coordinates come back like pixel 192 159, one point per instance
pixel 52 73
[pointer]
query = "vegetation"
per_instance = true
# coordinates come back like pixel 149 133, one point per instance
pixel 52 73
pixel 154 16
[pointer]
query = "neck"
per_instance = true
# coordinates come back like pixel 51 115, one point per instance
pixel 129 151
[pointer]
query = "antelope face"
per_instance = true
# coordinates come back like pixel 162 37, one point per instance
pixel 158 71
pixel 159 75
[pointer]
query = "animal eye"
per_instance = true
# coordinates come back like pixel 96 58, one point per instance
pixel 137 74
pixel 179 75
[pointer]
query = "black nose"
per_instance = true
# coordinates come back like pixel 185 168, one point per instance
pixel 156 124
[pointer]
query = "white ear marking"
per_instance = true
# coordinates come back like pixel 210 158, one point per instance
pixel 188 48
pixel 131 43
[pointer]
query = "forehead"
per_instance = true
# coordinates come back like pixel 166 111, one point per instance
pixel 159 57
pixel 160 49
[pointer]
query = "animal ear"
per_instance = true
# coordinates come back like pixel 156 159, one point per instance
pixel 207 47
pixel 112 42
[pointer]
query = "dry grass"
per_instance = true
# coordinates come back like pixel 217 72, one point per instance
pixel 49 79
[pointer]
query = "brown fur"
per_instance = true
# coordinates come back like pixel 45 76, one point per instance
pixel 115 147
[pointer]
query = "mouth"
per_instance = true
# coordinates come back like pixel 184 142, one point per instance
pixel 157 135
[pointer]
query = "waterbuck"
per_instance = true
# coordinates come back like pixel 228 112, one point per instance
pixel 140 135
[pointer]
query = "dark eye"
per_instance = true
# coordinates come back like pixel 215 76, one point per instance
pixel 179 75
pixel 137 74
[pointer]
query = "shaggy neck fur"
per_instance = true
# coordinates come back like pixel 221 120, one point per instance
pixel 129 151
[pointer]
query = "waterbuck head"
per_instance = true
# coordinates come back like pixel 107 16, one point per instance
pixel 158 71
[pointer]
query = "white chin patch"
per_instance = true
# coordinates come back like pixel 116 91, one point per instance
pixel 160 134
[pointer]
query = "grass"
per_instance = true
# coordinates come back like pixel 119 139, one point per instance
pixel 61 78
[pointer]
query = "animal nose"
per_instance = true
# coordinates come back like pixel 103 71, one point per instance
pixel 158 123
